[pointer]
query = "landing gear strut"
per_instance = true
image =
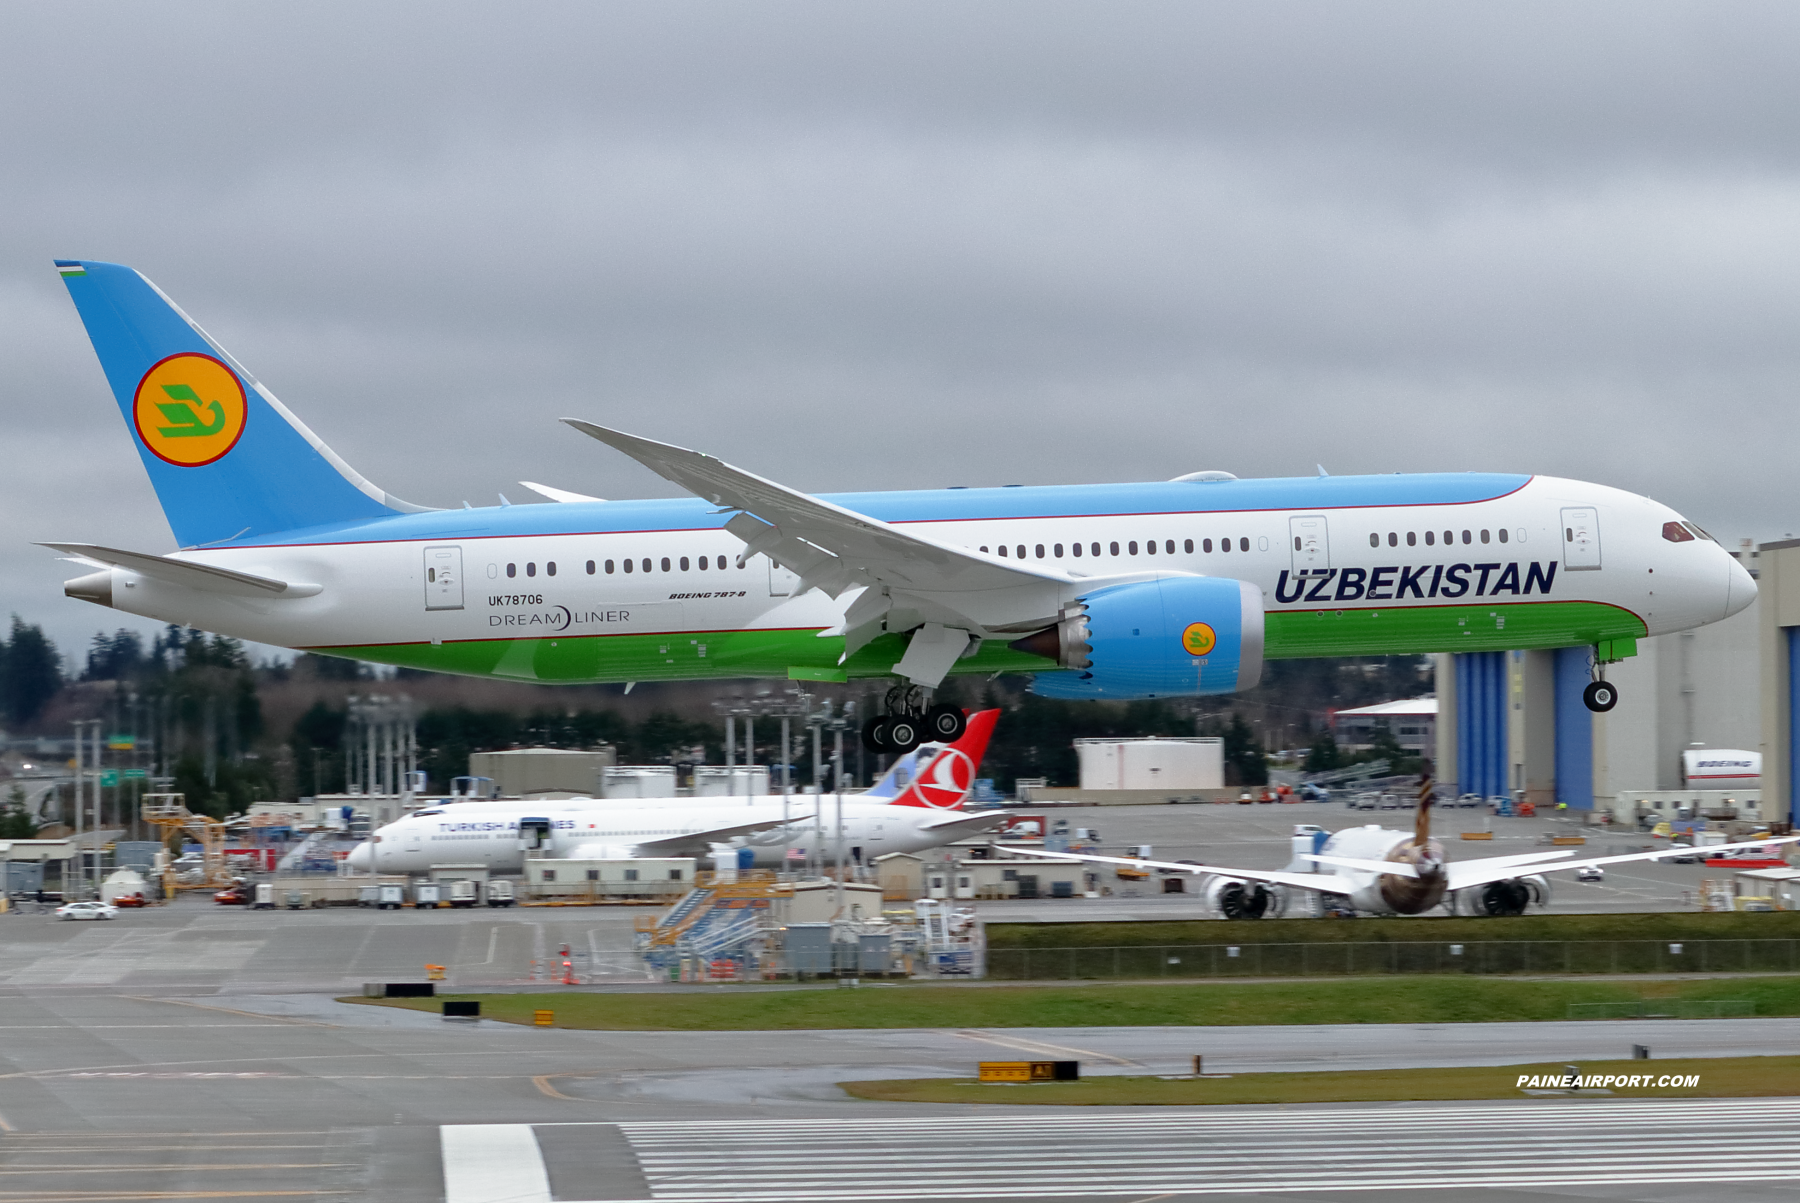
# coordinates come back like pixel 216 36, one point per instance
pixel 910 721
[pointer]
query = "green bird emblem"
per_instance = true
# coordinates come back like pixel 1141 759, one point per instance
pixel 186 423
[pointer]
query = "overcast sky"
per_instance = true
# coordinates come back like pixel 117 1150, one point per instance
pixel 903 245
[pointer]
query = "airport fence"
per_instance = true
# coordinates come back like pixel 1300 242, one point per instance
pixel 1374 957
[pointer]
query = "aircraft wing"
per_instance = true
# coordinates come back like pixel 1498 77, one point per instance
pixel 1329 883
pixel 973 820
pixel 915 578
pixel 1480 872
pixel 186 573
pixel 699 843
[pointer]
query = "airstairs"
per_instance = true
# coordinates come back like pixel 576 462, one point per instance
pixel 713 927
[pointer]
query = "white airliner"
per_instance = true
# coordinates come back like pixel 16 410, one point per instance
pixel 1112 591
pixel 1378 871
pixel 908 810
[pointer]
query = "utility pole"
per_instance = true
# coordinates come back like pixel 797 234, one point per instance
pixel 80 803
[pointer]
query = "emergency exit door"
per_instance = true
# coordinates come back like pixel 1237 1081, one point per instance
pixel 1310 543
pixel 443 578
pixel 1581 538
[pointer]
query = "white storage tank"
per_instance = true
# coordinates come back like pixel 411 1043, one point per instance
pixel 1152 764
pixel 722 781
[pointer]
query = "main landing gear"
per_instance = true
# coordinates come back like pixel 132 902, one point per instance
pixel 910 721
pixel 1600 696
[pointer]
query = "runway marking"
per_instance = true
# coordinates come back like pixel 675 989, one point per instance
pixel 127 1027
pixel 1035 1046
pixel 492 1163
pixel 83 1196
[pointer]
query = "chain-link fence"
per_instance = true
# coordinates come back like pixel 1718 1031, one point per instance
pixel 1363 958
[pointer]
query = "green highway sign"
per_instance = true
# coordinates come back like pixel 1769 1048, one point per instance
pixel 135 774
pixel 109 776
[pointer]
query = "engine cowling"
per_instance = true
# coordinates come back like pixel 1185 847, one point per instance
pixel 1175 636
pixel 1231 898
pixel 1503 898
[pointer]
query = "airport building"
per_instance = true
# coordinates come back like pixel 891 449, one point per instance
pixel 1514 723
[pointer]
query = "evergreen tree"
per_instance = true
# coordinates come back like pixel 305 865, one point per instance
pixel 30 672
pixel 1323 755
pixel 15 822
pixel 1244 762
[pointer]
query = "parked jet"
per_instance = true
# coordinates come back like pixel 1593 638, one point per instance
pixel 925 812
pixel 1377 871
pixel 1112 591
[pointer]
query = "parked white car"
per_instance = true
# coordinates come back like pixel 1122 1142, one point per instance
pixel 87 910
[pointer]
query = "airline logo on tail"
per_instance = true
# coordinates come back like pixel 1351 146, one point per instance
pixel 946 780
pixel 190 409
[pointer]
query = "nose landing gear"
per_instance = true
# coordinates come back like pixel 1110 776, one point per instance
pixel 910 721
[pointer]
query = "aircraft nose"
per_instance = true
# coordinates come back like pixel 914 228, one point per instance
pixel 1740 588
pixel 360 855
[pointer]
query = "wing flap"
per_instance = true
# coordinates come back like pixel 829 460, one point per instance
pixel 685 844
pixel 1329 883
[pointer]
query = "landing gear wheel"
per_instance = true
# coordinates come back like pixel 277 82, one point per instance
pixel 875 735
pixel 1600 696
pixel 903 734
pixel 945 724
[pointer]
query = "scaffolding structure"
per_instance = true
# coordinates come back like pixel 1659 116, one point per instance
pixel 169 814
pixel 716 930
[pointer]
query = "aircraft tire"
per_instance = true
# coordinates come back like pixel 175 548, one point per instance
pixel 945 724
pixel 1600 696
pixel 875 735
pixel 903 734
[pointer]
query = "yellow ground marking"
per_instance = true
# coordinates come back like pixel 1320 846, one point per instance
pixel 1034 1046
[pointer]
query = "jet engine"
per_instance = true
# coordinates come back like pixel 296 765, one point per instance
pixel 1175 636
pixel 1508 897
pixel 1234 899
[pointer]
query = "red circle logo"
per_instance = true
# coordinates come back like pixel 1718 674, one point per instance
pixel 944 784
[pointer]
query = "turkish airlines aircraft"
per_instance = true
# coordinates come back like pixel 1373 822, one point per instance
pixel 1113 591
pixel 904 812
pixel 1377 871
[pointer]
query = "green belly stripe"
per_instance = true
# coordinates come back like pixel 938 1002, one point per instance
pixel 1416 630
pixel 723 655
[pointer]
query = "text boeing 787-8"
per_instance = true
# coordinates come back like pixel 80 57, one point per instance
pixel 1117 591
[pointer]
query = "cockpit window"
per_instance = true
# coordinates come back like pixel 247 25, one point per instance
pixel 1700 533
pixel 418 813
pixel 1677 532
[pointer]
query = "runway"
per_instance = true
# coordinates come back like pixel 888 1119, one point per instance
pixel 1603 1149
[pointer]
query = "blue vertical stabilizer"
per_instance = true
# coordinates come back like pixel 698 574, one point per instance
pixel 226 458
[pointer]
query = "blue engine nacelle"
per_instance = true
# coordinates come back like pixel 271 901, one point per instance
pixel 1176 636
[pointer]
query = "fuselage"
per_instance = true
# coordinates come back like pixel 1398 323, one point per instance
pixel 649 590
pixel 489 833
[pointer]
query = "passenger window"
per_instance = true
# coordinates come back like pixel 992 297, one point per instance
pixel 1466 538
pixel 1003 549
pixel 609 567
pixel 1224 544
pixel 1430 538
pixel 629 565
pixel 1132 547
pixel 512 570
pixel 530 569
pixel 1374 540
pixel 590 567
pixel 1244 544
pixel 984 548
pixel 1058 550
pixel 702 563
pixel 1115 548
pixel 1393 539
pixel 1040 551
pixel 1484 536
pixel 1412 538
pixel 1093 549
pixel 1503 534
pixel 550 568
pixel 1150 547
pixel 1021 551
pixel 1187 545
pixel 1674 532
pixel 665 563
pixel 1296 545
pixel 1169 547
pixel 1075 548
pixel 647 564
pixel 684 563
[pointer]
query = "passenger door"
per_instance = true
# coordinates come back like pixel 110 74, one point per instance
pixel 443 578
pixel 1310 542
pixel 1581 538
pixel 781 581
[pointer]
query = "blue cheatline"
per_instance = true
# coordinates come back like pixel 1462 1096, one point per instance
pixel 277 476
pixel 1574 729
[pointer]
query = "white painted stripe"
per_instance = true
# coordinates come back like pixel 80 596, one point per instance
pixel 492 1163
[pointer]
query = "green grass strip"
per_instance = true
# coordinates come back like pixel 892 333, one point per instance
pixel 1723 1077
pixel 1415 999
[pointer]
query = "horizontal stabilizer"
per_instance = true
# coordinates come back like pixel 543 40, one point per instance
pixel 1393 867
pixel 203 578
pixel 562 495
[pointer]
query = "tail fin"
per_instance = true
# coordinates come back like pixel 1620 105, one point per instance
pixel 225 457
pixel 944 782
